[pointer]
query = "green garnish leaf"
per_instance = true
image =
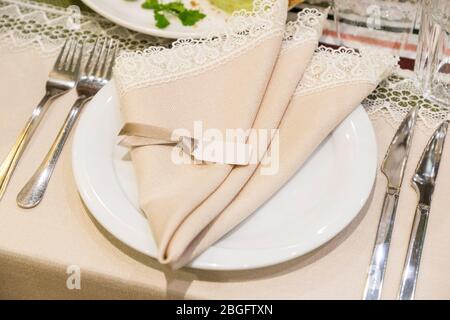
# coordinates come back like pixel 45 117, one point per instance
pixel 161 20
pixel 151 4
pixel 187 17
pixel 190 17
pixel 175 7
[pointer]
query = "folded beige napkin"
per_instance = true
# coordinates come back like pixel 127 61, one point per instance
pixel 300 41
pixel 221 81
pixel 334 84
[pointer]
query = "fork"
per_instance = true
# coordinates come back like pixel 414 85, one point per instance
pixel 62 78
pixel 95 74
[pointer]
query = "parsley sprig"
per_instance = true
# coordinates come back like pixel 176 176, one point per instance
pixel 188 17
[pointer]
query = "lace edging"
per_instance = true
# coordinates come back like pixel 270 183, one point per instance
pixel 307 27
pixel 244 30
pixel 395 96
pixel 330 67
pixel 26 24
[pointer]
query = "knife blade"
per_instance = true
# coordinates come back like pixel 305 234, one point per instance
pixel 424 181
pixel 393 167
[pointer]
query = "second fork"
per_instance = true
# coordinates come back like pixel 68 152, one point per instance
pixel 95 74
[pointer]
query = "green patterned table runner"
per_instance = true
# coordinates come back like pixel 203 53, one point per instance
pixel 66 3
pixel 391 99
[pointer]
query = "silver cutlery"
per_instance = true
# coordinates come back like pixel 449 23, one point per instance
pixel 424 181
pixel 62 78
pixel 95 74
pixel 393 168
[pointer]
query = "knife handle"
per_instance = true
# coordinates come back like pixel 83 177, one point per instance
pixel 412 261
pixel 380 252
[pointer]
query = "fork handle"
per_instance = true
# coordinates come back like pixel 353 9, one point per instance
pixel 33 191
pixel 12 159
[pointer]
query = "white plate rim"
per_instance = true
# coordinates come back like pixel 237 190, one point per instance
pixel 98 209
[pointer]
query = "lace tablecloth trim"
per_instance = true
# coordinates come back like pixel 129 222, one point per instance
pixel 395 96
pixel 25 24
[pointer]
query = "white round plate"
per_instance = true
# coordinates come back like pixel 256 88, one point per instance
pixel 129 14
pixel 316 204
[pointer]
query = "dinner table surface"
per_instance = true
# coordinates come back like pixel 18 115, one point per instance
pixel 40 248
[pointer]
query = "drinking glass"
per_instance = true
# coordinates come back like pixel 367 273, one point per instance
pixel 432 66
pixel 385 24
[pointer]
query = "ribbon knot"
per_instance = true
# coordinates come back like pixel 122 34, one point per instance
pixel 135 135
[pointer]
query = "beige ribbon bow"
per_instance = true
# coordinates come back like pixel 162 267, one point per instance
pixel 136 135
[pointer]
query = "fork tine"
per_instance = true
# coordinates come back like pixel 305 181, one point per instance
pixel 107 55
pixel 61 54
pixel 68 65
pixel 99 63
pixel 79 58
pixel 107 75
pixel 87 67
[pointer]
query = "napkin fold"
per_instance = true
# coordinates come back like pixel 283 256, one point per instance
pixel 214 83
pixel 222 82
pixel 256 75
pixel 334 84
pixel 299 42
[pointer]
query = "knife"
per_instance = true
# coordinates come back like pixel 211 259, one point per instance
pixel 393 167
pixel 424 181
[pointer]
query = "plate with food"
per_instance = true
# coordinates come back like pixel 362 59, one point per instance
pixel 170 18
